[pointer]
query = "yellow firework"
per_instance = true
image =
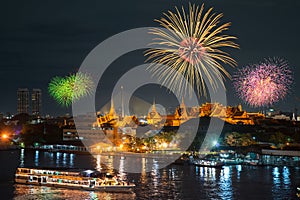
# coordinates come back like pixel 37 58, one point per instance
pixel 191 44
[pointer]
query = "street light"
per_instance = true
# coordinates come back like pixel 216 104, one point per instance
pixel 216 144
pixel 4 136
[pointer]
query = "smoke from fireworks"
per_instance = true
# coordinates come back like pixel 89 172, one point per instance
pixel 191 46
pixel 263 84
pixel 66 90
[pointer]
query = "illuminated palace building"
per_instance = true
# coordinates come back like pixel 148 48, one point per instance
pixel 232 115
pixel 120 130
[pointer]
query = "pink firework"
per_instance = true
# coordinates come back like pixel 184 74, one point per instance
pixel 191 50
pixel 263 84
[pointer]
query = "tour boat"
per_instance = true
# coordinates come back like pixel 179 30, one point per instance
pixel 84 180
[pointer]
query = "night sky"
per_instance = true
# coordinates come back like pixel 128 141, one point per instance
pixel 42 39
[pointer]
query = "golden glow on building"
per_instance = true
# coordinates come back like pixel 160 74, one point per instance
pixel 230 114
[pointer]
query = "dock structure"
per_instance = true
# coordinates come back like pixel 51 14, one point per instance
pixel 280 157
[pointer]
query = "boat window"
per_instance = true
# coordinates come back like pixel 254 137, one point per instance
pixel 22 177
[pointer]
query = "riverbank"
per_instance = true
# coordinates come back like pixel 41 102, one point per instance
pixel 263 157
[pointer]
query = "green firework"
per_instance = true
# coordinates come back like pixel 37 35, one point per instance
pixel 66 90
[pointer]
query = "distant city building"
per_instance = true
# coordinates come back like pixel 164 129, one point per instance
pixel 36 102
pixel 8 115
pixel 71 135
pixel 23 100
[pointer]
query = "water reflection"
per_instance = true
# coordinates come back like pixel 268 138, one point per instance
pixel 98 162
pixel 122 174
pixel 155 173
pixel 57 159
pixel 281 181
pixel 172 173
pixel 64 159
pixel 25 192
pixel 71 160
pixel 217 180
pixel 225 183
pixel 143 174
pixel 206 173
pixel 286 177
pixel 22 158
pixel 276 176
pixel 238 170
pixel 109 163
pixel 36 158
pixel 49 157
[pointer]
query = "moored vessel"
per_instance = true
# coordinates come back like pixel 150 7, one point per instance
pixel 208 163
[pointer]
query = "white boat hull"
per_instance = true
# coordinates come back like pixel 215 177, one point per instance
pixel 91 184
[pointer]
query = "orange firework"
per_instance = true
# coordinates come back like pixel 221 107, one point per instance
pixel 191 45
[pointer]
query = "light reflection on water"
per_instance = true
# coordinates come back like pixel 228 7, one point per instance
pixel 25 192
pixel 36 160
pixel 22 158
pixel 58 159
pixel 155 175
pixel 98 167
pixel 172 182
pixel 65 159
pixel 71 160
pixel 281 182
pixel 122 174
pixel 225 183
pixel 238 169
pixel 216 180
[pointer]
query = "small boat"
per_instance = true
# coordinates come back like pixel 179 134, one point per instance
pixel 253 162
pixel 83 180
pixel 231 161
pixel 208 163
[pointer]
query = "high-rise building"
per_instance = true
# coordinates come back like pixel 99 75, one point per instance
pixel 36 101
pixel 23 100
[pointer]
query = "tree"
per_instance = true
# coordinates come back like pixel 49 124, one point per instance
pixel 278 138
pixel 237 139
pixel 231 139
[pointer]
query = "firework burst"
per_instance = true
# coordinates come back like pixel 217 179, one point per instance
pixel 191 45
pixel 263 84
pixel 66 90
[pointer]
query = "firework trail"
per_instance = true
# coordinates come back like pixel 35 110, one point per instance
pixel 191 46
pixel 66 90
pixel 265 83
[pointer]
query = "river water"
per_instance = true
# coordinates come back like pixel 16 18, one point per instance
pixel 172 182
